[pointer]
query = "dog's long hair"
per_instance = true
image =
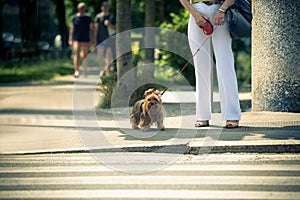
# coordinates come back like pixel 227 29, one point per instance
pixel 152 108
pixel 151 111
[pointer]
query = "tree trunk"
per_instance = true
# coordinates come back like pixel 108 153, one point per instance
pixel 149 37
pixel 61 16
pixel 123 43
pixel 275 56
pixel 30 27
pixel 123 49
pixel 149 22
pixel 161 10
pixel 2 50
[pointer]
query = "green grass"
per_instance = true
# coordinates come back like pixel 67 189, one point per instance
pixel 34 70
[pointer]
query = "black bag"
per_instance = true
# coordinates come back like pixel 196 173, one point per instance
pixel 239 17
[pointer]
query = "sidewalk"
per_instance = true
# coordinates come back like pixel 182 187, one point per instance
pixel 50 119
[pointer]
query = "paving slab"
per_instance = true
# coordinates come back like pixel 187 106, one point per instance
pixel 41 118
pixel 20 134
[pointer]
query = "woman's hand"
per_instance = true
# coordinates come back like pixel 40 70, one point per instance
pixel 200 19
pixel 219 18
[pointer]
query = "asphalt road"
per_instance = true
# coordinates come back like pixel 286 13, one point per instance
pixel 150 176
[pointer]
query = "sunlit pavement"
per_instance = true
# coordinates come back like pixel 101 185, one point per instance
pixel 44 118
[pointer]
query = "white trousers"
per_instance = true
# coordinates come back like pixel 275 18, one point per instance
pixel 226 75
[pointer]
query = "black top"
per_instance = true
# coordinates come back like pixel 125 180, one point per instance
pixel 82 28
pixel 103 31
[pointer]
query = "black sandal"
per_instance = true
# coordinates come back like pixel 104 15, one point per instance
pixel 232 124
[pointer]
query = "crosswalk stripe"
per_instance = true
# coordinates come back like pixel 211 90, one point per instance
pixel 162 180
pixel 101 168
pixel 87 158
pixel 81 176
pixel 150 194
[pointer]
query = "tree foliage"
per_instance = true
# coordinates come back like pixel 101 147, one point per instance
pixel 176 20
pixel 178 23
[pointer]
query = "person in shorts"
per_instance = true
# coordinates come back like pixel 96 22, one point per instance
pixel 79 37
pixel 105 25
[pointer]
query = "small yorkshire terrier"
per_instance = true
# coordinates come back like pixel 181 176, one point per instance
pixel 148 111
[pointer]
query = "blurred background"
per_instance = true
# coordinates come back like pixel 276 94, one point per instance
pixel 35 34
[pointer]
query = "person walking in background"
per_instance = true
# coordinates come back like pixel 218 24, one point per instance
pixel 79 37
pixel 214 11
pixel 105 25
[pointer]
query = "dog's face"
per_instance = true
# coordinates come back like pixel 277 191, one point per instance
pixel 152 100
pixel 153 103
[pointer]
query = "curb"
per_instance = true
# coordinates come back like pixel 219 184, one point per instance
pixel 277 148
pixel 178 149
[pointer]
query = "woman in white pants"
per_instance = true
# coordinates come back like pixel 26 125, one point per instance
pixel 214 11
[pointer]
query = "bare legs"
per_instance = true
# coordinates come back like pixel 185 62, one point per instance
pixel 76 58
pixel 104 59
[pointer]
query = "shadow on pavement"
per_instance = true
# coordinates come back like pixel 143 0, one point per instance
pixel 214 132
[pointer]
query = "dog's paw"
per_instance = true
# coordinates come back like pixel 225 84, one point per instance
pixel 160 126
pixel 145 129
pixel 134 126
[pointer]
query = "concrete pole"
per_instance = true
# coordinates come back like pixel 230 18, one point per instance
pixel 276 55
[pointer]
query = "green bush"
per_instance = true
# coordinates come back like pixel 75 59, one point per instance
pixel 106 87
pixel 179 23
pixel 108 84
